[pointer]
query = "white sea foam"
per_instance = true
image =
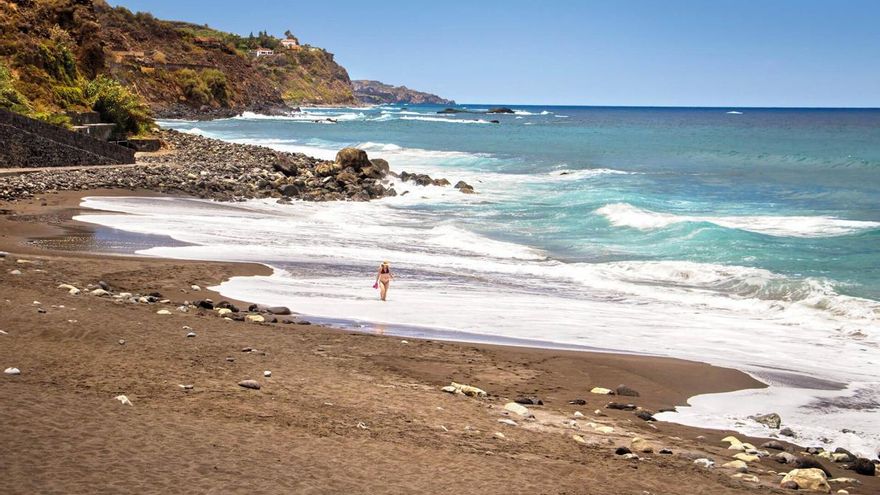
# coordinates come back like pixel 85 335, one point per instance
pixel 445 119
pixel 627 215
pixel 733 112
pixel 749 318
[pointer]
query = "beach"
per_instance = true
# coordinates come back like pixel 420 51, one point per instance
pixel 342 410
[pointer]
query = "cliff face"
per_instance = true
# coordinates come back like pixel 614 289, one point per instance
pixel 51 50
pixel 377 93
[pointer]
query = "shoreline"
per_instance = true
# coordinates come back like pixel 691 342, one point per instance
pixel 420 369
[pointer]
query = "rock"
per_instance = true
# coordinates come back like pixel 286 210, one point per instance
pixel 773 445
pixel 66 287
pixel 352 157
pixel 703 462
pixel 380 165
pixel 12 371
pixel 499 435
pixel 500 110
pixel 789 485
pixel 204 304
pixel 195 288
pixel 785 458
pixel 279 310
pixel 751 478
pixel 747 457
pixel 287 168
pixel 518 409
pixel 809 479
pixel 578 414
pixel 645 416
pixel 267 374
pixel 529 401
pixel 254 318
pixel 3 254
pixel 787 432
pixel 121 341
pixel 251 384
pixel 226 305
pixel 185 387
pixel 508 422
pixel 771 420
pixel 625 391
pixel 100 293
pixel 630 456
pixel 621 407
pixel 604 429
pixel 191 335
pixel 468 390
pixel 104 285
pixel 124 400
pixel 224 311
pixel 163 312
pixel 577 402
pixel 641 445
pixel 863 466
pixel 665 451
pixel 15 272
pixel 601 391
pixel 737 465
pixel 842 457
pixel 807 463
pixel 622 450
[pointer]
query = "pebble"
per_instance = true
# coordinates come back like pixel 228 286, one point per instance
pixel 508 422
pixel 737 465
pixel 12 371
pixel 224 311
pixel 195 288
pixel 622 451
pixel 519 409
pixel 577 402
pixel 121 341
pixel 15 272
pixel 641 445
pixel 578 414
pixel 123 399
pixel 499 435
pixel 751 478
pixel 267 373
pixel 3 332
pixel 630 456
pixel 186 387
pixel 601 391
pixel 99 293
pixel 254 318
pixel 191 334
pixel 252 384
pixel 579 439
pixel 706 463
pixel 163 312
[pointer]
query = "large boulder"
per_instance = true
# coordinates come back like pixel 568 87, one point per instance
pixel 863 466
pixel 286 167
pixel 771 420
pixel 808 479
pixel 352 157
pixel 500 110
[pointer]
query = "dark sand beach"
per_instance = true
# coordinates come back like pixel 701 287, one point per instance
pixel 341 412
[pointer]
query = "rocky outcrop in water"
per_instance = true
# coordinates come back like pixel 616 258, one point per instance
pixel 377 93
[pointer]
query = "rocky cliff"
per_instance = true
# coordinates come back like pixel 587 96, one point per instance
pixel 377 93
pixel 51 51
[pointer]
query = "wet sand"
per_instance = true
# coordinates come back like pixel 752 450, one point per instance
pixel 342 412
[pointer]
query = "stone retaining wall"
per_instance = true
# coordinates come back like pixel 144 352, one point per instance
pixel 25 142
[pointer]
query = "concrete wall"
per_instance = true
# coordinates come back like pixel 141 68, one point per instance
pixel 25 142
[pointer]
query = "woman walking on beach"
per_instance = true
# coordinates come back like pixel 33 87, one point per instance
pixel 383 279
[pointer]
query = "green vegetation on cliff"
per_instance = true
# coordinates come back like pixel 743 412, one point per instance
pixel 79 55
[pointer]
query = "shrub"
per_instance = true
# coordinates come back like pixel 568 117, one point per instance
pixel 216 83
pixel 10 98
pixel 117 104
pixel 194 88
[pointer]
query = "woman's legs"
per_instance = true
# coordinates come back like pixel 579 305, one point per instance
pixel 383 289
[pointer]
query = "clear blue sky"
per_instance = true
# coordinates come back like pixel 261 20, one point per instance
pixel 609 52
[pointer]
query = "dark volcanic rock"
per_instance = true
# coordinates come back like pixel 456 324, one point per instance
pixel 863 466
pixel 533 401
pixel 623 450
pixel 621 407
pixel 501 110
pixel 626 391
pixel 808 463
pixel 577 402
pixel 772 444
pixel 645 415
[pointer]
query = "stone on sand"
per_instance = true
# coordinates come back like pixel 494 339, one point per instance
pixel 191 335
pixel 771 420
pixel 508 422
pixel 224 311
pixel 267 373
pixel 639 444
pixel 254 318
pixel 15 272
pixel 622 450
pixel 251 384
pixel 773 444
pixel 751 478
pixel 579 439
pixel 604 429
pixel 99 293
pixel 737 465
pixel 747 457
pixel 626 391
pixel 163 312
pixel 195 288
pixel 864 467
pixel 703 462
pixel 12 371
pixel 123 399
pixel 601 391
pixel 808 479
pixel 460 388
pixel 518 409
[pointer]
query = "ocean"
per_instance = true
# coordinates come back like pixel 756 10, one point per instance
pixel 747 238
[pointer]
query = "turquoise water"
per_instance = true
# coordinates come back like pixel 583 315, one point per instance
pixel 822 165
pixel 749 240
